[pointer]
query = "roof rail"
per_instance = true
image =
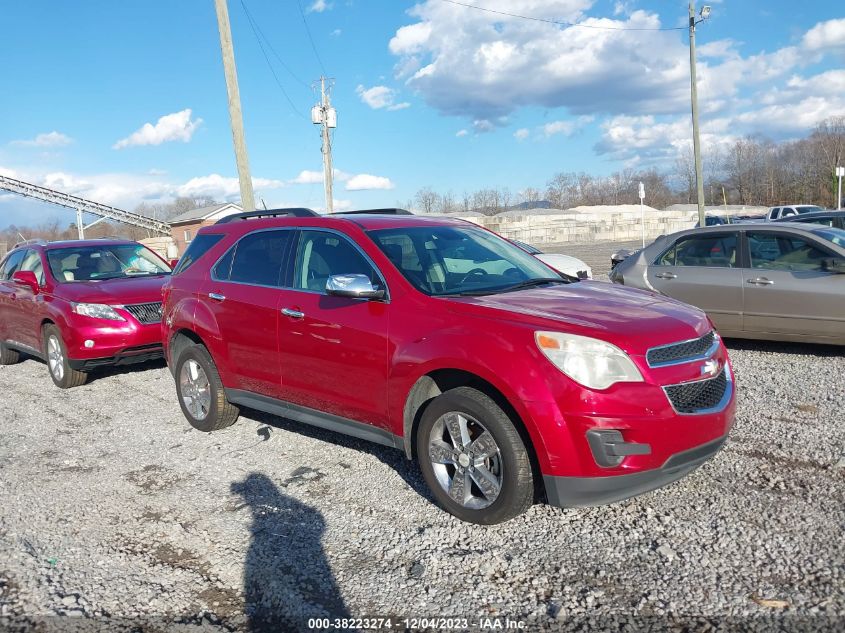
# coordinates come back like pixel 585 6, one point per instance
pixel 35 240
pixel 375 212
pixel 296 212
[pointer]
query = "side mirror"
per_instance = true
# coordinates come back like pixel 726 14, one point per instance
pixel 830 265
pixel 26 278
pixel 355 286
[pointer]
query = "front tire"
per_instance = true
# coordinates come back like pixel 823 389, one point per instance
pixel 473 458
pixel 201 393
pixel 55 353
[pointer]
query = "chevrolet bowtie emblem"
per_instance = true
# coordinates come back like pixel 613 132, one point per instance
pixel 710 367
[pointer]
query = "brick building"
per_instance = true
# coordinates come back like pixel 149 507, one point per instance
pixel 184 227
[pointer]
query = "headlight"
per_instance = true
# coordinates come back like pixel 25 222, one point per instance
pixel 97 311
pixel 588 361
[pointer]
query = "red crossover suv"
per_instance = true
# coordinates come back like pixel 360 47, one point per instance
pixel 79 305
pixel 506 381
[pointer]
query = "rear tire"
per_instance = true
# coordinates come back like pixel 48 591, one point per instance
pixel 8 356
pixel 473 458
pixel 55 353
pixel 200 391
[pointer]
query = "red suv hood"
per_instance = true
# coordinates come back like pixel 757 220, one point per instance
pixel 113 291
pixel 633 320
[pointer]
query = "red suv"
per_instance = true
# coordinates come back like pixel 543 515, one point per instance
pixel 505 380
pixel 80 305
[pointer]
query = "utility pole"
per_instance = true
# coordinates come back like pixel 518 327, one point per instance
pixel 241 157
pixel 696 140
pixel 324 115
pixel 840 171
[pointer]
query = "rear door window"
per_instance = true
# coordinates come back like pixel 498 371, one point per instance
pixel 712 250
pixel 780 251
pixel 256 259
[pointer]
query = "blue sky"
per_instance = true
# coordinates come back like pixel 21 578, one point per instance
pixel 125 101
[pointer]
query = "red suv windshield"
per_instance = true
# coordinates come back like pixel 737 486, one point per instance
pixel 446 260
pixel 109 261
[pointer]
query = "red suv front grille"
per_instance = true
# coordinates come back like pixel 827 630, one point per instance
pixel 146 313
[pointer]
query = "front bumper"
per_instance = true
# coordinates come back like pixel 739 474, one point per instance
pixel 110 342
pixel 128 356
pixel 574 492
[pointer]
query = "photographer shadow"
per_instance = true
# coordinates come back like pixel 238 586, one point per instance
pixel 287 579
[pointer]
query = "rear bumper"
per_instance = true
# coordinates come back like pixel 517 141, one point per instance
pixel 574 492
pixel 128 356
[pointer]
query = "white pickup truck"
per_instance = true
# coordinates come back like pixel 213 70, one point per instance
pixel 776 213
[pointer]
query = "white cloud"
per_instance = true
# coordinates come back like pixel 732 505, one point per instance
pixel 830 34
pixel 379 97
pixel 171 127
pixel 221 187
pixel 521 134
pixel 461 133
pixel 308 177
pixel 336 33
pixel 481 65
pixel 46 139
pixel 318 6
pixel 366 182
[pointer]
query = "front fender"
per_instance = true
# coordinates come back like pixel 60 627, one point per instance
pixel 512 372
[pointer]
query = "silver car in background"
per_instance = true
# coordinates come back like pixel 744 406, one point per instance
pixel 780 282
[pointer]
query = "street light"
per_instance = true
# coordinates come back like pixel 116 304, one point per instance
pixel 696 139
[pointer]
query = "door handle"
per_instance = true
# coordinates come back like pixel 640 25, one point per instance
pixel 216 297
pixel 294 314
pixel 761 281
pixel 666 276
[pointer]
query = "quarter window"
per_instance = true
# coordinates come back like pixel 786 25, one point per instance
pixel 199 247
pixel 712 251
pixel 774 251
pixel 256 259
pixel 322 254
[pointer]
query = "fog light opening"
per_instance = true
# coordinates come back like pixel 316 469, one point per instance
pixel 89 343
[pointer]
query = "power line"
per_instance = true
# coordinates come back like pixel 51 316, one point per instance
pixel 269 65
pixel 560 22
pixel 311 39
pixel 270 46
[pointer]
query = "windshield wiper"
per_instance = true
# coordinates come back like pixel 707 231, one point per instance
pixel 530 283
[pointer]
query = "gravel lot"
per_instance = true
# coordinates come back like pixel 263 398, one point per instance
pixel 114 511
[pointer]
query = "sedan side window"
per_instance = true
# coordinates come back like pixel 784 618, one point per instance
pixel 713 251
pixel 257 259
pixel 322 254
pixel 773 251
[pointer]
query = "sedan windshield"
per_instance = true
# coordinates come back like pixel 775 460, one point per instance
pixel 449 260
pixel 109 261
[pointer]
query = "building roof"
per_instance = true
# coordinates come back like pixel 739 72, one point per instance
pixel 214 211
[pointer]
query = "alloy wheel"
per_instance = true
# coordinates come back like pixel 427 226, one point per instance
pixel 55 358
pixel 466 460
pixel 195 389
